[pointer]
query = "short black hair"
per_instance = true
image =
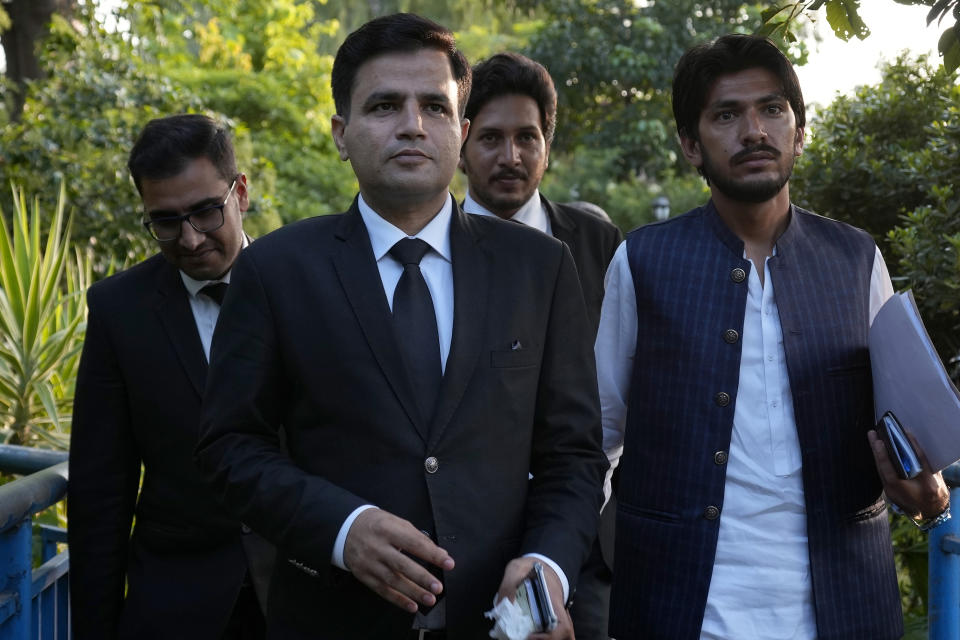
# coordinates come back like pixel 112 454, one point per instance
pixel 397 33
pixel 514 74
pixel 167 145
pixel 701 66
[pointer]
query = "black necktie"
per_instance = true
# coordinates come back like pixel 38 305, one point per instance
pixel 215 291
pixel 415 324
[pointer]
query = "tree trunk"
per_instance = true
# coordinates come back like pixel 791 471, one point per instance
pixel 30 23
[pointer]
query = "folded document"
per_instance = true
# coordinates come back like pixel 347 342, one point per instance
pixel 911 384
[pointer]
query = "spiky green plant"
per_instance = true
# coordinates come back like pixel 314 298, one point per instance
pixel 42 319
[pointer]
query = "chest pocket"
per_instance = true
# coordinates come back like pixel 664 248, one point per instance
pixel 514 358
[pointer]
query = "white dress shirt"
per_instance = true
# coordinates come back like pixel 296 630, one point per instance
pixel 437 269
pixel 205 310
pixel 531 214
pixel 762 556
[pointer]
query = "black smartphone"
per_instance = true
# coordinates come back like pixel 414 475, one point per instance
pixel 433 569
pixel 533 596
pixel 899 450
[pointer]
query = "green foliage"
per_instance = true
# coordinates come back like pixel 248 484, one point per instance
pixel 587 174
pixel 77 127
pixel 79 124
pixel 866 162
pixel 910 555
pixel 888 157
pixel 479 42
pixel 844 18
pixel 268 65
pixel 501 20
pixel 842 15
pixel 928 246
pixel 42 314
pixel 613 60
pixel 260 62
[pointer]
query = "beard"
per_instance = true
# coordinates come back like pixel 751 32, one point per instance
pixel 500 203
pixel 753 191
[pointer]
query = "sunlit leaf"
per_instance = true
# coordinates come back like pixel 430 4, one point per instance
pixel 949 48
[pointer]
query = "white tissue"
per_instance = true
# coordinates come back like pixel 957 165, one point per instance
pixel 510 621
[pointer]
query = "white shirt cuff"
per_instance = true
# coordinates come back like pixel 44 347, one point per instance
pixel 341 541
pixel 556 569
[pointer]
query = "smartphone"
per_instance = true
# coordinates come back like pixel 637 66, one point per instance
pixel 433 569
pixel 533 596
pixel 899 450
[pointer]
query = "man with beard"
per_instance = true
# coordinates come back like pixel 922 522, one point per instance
pixel 732 352
pixel 513 115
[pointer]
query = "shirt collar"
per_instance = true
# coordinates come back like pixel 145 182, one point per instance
pixel 193 286
pixel 383 234
pixel 531 214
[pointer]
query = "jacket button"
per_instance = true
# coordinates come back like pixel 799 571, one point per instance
pixel 711 513
pixel 431 464
pixel 244 529
pixel 722 399
pixel 720 457
pixel 738 275
pixel 730 336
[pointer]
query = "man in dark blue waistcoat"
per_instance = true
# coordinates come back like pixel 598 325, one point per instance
pixel 734 373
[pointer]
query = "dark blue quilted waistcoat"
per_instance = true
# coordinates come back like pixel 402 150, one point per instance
pixel 691 288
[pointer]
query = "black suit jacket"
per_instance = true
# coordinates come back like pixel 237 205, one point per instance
pixel 138 395
pixel 306 342
pixel 593 240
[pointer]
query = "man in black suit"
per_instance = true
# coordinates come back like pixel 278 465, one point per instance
pixel 513 116
pixel 416 400
pixel 138 402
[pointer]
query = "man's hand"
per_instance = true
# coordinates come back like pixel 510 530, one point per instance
pixel 374 553
pixel 925 496
pixel 514 574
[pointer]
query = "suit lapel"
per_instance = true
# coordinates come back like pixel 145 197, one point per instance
pixel 562 226
pixel 471 281
pixel 361 281
pixel 177 319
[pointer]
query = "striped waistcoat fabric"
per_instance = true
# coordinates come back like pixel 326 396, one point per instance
pixel 691 288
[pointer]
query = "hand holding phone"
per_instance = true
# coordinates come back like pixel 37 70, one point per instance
pixel 533 596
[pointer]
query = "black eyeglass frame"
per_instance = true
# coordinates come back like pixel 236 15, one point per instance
pixel 148 224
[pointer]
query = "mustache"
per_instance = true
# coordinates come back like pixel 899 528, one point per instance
pixel 740 156
pixel 508 174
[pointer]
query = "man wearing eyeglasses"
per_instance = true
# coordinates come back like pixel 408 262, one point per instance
pixel 188 569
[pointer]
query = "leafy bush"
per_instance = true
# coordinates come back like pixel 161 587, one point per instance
pixel 79 124
pixel 587 174
pixel 866 162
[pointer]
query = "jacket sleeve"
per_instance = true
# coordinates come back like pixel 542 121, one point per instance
pixel 240 452
pixel 567 462
pixel 103 482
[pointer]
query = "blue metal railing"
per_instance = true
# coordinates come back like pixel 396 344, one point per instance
pixel 943 613
pixel 33 603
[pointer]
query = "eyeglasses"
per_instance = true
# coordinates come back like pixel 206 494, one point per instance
pixel 204 220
